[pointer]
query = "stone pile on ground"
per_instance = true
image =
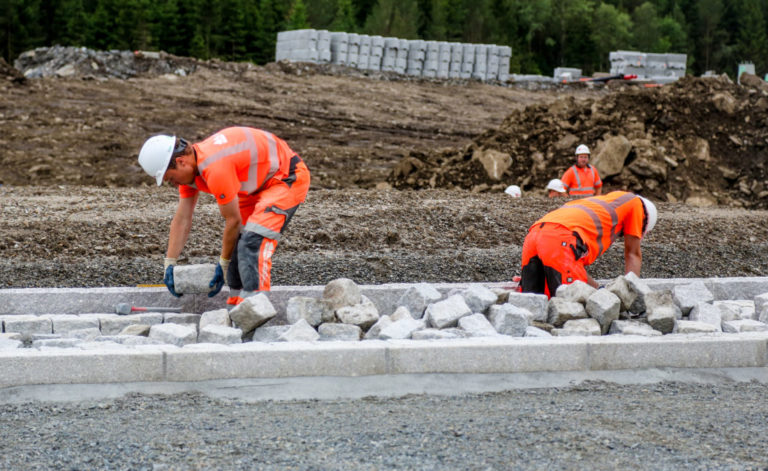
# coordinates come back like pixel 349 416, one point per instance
pixel 60 61
pixel 626 306
pixel 702 141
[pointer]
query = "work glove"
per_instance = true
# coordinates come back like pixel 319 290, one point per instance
pixel 219 277
pixel 168 279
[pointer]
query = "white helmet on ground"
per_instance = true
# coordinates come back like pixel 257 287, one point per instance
pixel 155 155
pixel 513 191
pixel 650 213
pixel 582 149
pixel 556 185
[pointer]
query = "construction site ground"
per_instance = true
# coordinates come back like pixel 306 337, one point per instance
pixel 77 210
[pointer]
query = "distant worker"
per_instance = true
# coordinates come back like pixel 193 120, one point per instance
pixel 258 183
pixel 560 244
pixel 514 191
pixel 556 188
pixel 582 179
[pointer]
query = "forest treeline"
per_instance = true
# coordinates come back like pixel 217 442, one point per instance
pixel 543 34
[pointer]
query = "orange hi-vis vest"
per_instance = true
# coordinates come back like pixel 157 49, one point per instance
pixel 238 161
pixel 600 220
pixel 581 181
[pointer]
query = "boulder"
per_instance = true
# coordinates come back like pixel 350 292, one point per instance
pixel 479 298
pixel 686 296
pixel 363 314
pixel 477 325
pixel 494 162
pixel 333 331
pixel 314 311
pixel 633 328
pixel 559 311
pixel 536 304
pixel 508 319
pixel 252 312
pixel 301 331
pixel 610 156
pixel 577 292
pixel 603 306
pixel 418 297
pixel 578 328
pixel 341 292
pixel 447 313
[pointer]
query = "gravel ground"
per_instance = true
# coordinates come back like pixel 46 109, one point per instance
pixel 595 425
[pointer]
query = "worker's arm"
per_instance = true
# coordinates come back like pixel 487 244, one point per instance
pixel 598 191
pixel 231 214
pixel 633 256
pixel 591 281
pixel 180 226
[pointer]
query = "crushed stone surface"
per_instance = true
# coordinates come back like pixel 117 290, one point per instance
pixel 594 425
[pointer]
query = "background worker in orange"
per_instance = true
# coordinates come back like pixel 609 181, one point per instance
pixel 560 244
pixel 582 179
pixel 258 182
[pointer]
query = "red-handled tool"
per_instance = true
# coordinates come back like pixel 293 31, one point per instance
pixel 125 309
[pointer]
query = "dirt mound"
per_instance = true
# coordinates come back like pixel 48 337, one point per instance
pixel 60 61
pixel 701 141
pixel 8 72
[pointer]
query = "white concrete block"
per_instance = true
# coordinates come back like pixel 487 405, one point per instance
pixel 334 331
pixel 252 312
pixel 221 334
pixel 173 334
pixel 477 325
pixel 193 279
pixel 301 331
pixel 447 313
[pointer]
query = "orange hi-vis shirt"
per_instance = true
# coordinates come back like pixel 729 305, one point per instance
pixel 600 220
pixel 581 181
pixel 238 161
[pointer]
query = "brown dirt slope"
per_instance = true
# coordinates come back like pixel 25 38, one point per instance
pixel 697 140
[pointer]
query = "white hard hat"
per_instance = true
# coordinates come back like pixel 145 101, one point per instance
pixel 556 185
pixel 650 213
pixel 582 149
pixel 513 191
pixel 155 155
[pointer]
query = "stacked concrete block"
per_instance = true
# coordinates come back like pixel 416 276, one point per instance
pixel 603 306
pixel 431 59
pixel 27 324
pixel 648 65
pixel 270 333
pixel 216 317
pixel 536 304
pixel 505 54
pixel 364 54
pixel 401 62
pixel 630 327
pixel 353 49
pixel 744 325
pixel 687 296
pixel 314 311
pixel 113 324
pixel 694 327
pixel 389 55
pixel 376 54
pixel 479 298
pixel 64 324
pixel 339 48
pixel 492 66
pixel 479 71
pixel 298 46
pixel 457 57
pixel 566 74
pixel 323 47
pixel 467 61
pixel 417 53
pixel 559 311
pixel 708 314
pixel 444 60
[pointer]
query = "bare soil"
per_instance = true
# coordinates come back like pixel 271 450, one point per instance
pixel 76 209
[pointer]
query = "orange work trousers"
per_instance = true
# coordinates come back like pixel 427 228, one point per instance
pixel 551 257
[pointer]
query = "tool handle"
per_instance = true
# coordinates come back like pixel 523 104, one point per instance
pixel 156 309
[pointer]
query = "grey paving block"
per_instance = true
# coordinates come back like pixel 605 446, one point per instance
pixel 578 327
pixel 634 328
pixel 640 288
pixel 621 288
pixel 64 323
pixel 577 292
pixel 334 331
pixel 181 318
pixel 662 298
pixel 252 312
pixel 437 334
pixel 10 344
pixel 446 313
pixel 603 306
pixel 694 327
pixel 301 331
pixel 341 292
pixel 173 334
pixel 27 324
pixel 741 309
pixel 479 298
pixel 402 329
pixel 85 334
pixel 417 297
pixel 559 311
pixel 314 311
pixel 57 343
pixel 707 313
pixel 686 296
pixel 221 334
pixel 363 314
pixel 663 318
pixel 270 333
pixel 401 313
pixel 375 330
pixel 536 304
pixel 215 317
pixel 193 279
pixel 477 325
pixel 508 319
pixel 744 325
pixel 532 331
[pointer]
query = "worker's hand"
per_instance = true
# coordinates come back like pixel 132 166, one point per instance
pixel 168 280
pixel 218 277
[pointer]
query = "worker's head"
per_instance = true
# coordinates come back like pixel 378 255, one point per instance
pixel 650 215
pixel 168 158
pixel 556 188
pixel 582 156
pixel 513 191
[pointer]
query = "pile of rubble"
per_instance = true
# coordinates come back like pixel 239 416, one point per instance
pixel 60 61
pixel 627 306
pixel 702 141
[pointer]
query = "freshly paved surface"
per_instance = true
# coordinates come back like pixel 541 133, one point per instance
pixel 594 425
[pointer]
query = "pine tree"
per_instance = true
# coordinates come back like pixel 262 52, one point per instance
pixel 297 18
pixel 753 39
pixel 394 18
pixel 344 19
pixel 612 32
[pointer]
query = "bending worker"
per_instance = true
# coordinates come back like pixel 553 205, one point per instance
pixel 582 179
pixel 560 244
pixel 258 183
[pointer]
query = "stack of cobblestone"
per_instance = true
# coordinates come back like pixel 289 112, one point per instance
pixel 626 306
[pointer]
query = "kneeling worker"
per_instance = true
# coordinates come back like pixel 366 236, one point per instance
pixel 560 244
pixel 258 182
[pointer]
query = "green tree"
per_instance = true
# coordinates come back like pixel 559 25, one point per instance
pixel 752 41
pixel 611 32
pixel 19 27
pixel 398 18
pixel 297 18
pixel 646 27
pixel 344 17
pixel 709 13
pixel 672 36
pixel 568 25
